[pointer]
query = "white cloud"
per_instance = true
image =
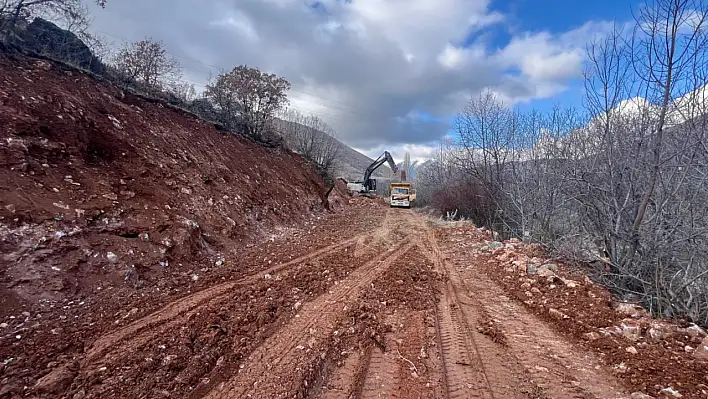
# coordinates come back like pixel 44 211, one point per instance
pixel 238 22
pixel 548 61
pixel 364 66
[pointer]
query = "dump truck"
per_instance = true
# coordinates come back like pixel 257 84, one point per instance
pixel 401 195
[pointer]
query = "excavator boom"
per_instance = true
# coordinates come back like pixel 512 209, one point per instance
pixel 370 184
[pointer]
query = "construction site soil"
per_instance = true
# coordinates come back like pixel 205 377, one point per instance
pixel 145 254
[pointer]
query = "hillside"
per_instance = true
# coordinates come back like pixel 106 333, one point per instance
pixel 350 164
pixel 353 164
pixel 101 186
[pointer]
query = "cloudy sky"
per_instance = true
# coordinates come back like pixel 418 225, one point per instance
pixel 386 74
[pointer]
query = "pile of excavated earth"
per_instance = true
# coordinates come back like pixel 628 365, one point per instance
pixel 146 254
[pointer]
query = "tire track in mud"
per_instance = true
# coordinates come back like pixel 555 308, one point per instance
pixel 473 365
pixel 463 369
pixel 557 371
pixel 347 379
pixel 464 373
pixel 382 379
pixel 141 331
pixel 263 371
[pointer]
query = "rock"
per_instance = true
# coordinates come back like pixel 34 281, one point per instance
pixel 16 144
pixel 543 271
pixel 696 331
pixel 631 329
pixel 688 349
pixel 520 266
pixel 661 330
pixel 591 336
pixel 550 266
pixel 669 391
pixel 630 309
pixel 632 350
pixel 570 283
pixel 45 37
pixel 531 268
pixel 58 380
pixel 558 314
pixel 111 257
pixel 111 196
pixel 185 190
pixel 495 245
pixel 267 276
pixel 640 395
pixel 297 305
pixel 701 352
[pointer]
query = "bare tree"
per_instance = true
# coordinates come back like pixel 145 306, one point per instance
pixel 248 99
pixel 312 138
pixel 70 11
pixel 147 63
pixel 184 91
pixel 625 188
pixel 670 37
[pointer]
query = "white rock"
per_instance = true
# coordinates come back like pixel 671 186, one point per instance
pixel 671 392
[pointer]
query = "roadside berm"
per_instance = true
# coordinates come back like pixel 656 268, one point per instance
pixel 146 254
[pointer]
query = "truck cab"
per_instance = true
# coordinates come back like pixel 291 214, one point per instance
pixel 401 195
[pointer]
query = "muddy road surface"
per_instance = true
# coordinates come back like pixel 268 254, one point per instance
pixel 385 312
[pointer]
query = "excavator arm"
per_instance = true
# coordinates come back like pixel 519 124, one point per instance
pixel 385 157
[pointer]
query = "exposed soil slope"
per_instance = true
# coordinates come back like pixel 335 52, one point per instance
pixel 100 185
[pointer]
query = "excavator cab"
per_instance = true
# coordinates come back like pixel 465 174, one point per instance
pixel 371 184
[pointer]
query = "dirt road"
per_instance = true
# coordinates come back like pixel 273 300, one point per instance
pixel 380 314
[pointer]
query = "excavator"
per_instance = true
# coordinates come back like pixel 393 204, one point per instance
pixel 368 186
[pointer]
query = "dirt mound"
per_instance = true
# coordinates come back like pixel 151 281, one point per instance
pixel 101 186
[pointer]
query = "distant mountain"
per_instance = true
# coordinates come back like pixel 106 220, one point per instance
pixel 351 164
